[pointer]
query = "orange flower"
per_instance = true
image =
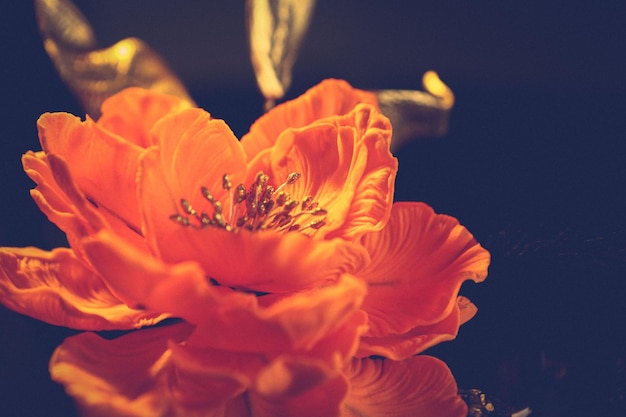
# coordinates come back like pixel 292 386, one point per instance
pixel 275 252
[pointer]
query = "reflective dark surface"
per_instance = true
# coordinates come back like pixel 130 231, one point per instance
pixel 533 165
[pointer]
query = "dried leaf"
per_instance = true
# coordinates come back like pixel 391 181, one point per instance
pixel 416 114
pixel 275 31
pixel 91 73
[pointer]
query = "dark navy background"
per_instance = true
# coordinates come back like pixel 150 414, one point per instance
pixel 534 165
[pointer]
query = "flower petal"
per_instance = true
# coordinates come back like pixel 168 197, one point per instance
pixel 346 167
pixel 265 261
pixel 419 386
pixel 127 376
pixel 181 290
pixel 324 323
pixel 211 379
pixel 323 400
pixel 51 199
pixel 192 151
pixel 328 98
pixel 103 165
pixel 58 197
pixel 57 288
pixel 467 309
pixel 414 341
pixel 196 150
pixel 419 262
pixel 132 112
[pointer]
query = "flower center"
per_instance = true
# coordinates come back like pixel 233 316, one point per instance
pixel 260 207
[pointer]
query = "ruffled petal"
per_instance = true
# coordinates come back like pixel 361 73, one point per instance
pixel 103 165
pixel 192 151
pixel 65 205
pixel 345 166
pixel 128 376
pixel 264 261
pixel 51 199
pixel 419 386
pixel 132 112
pixel 324 323
pixel 139 280
pixel 322 400
pixel 57 288
pixel 467 309
pixel 212 380
pixel 196 151
pixel 414 341
pixel 328 98
pixel 419 262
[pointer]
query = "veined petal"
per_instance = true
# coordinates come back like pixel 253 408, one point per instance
pixel 66 206
pixel 324 323
pixel 103 165
pixel 128 376
pixel 265 261
pixel 413 341
pixel 419 262
pixel 52 200
pixel 132 112
pixel 419 386
pixel 346 167
pixel 192 151
pixel 181 290
pixel 196 150
pixel 328 98
pixel 57 288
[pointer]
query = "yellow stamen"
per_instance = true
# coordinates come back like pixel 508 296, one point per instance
pixel 263 208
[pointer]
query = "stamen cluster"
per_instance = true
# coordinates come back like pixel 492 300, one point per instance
pixel 259 207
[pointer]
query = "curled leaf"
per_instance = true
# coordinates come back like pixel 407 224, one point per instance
pixel 275 31
pixel 416 114
pixel 91 73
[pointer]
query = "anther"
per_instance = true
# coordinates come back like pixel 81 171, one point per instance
pixel 226 184
pixel 293 177
pixel 261 179
pixel 267 193
pixel 259 207
pixel 316 224
pixel 281 198
pixel 207 194
pixel 187 207
pixel 180 219
pixel 240 193
pixel 284 221
pixel 306 202
pixel 319 212
pixel 205 220
pixel 290 205
pixel 219 220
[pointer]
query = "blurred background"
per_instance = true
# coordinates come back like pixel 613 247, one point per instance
pixel 533 165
